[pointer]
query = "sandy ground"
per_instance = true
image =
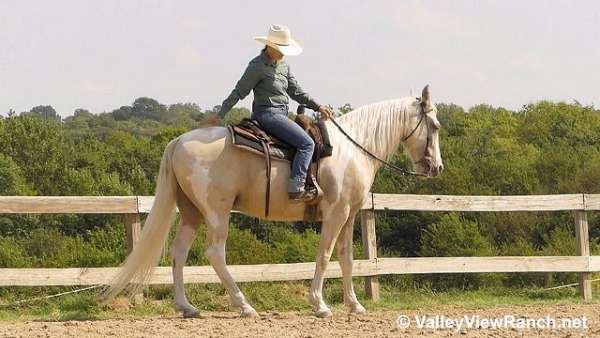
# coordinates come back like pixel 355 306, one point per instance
pixel 301 324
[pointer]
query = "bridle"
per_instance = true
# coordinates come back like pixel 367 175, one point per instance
pixel 395 168
pixel 426 157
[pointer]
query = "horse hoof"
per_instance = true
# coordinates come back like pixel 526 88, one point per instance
pixel 249 312
pixel 191 313
pixel 358 309
pixel 324 313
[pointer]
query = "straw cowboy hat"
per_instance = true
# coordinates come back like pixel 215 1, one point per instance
pixel 279 37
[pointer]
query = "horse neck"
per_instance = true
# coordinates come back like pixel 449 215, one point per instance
pixel 379 127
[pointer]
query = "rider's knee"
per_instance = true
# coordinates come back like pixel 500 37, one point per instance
pixel 308 144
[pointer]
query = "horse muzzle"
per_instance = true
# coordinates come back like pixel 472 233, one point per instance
pixel 427 169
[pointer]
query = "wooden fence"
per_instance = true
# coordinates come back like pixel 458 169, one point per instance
pixel 132 207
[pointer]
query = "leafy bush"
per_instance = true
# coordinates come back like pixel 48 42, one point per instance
pixel 12 254
pixel 12 181
pixel 453 236
pixel 293 247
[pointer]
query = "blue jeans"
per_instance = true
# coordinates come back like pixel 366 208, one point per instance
pixel 274 121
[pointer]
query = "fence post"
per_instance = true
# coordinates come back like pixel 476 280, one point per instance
pixel 369 242
pixel 583 249
pixel 133 227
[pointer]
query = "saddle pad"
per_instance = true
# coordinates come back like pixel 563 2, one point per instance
pixel 277 152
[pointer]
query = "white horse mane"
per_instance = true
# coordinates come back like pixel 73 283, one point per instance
pixel 378 127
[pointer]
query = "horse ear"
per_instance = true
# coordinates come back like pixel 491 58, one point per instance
pixel 426 97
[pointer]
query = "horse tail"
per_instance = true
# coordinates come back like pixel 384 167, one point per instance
pixel 139 265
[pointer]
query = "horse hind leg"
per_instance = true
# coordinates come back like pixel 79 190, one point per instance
pixel 216 236
pixel 190 220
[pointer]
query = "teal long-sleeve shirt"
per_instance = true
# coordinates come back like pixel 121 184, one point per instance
pixel 272 82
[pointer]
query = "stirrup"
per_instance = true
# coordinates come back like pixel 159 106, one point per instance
pixel 318 193
pixel 313 186
pixel 306 196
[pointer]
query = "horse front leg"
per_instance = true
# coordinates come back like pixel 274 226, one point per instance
pixel 345 256
pixel 329 231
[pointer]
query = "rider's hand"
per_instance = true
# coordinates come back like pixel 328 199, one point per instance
pixel 210 121
pixel 326 112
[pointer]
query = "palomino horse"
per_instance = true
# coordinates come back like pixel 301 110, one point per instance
pixel 206 177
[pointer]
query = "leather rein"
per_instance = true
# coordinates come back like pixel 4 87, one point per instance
pixel 395 168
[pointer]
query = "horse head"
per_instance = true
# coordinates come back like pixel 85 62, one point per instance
pixel 421 139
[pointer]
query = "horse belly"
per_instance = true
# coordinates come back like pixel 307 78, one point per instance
pixel 251 200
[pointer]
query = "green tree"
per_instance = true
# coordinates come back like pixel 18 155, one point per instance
pixel 12 181
pixel 122 114
pixel 46 112
pixel 235 115
pixel 39 147
pixel 148 108
pixel 185 110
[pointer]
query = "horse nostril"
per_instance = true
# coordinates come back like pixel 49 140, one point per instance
pixel 441 168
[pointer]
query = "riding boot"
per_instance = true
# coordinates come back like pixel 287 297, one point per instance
pixel 297 191
pixel 310 194
pixel 305 196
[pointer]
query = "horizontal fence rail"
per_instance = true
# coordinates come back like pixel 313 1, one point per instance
pixel 132 207
pixel 478 203
pixel 68 204
pixel 300 271
pixel 143 204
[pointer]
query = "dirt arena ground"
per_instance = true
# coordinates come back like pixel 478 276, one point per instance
pixel 300 324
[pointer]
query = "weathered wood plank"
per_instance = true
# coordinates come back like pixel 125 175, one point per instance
pixel 427 265
pixel 369 202
pixel 478 203
pixel 163 275
pixel 369 241
pixel 133 230
pixel 299 271
pixel 145 204
pixel 131 204
pixel 583 249
pixel 68 204
pixel 592 201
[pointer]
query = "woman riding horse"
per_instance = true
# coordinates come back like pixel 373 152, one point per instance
pixel 269 76
pixel 206 177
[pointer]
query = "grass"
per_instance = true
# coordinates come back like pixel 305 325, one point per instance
pixel 281 296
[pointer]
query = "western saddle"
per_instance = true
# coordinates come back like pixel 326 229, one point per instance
pixel 249 135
